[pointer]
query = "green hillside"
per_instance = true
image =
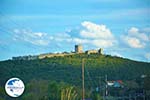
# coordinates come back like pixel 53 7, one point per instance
pixel 68 69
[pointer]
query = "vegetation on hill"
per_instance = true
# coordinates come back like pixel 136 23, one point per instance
pixel 42 75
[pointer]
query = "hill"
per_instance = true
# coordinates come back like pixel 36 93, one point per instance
pixel 68 69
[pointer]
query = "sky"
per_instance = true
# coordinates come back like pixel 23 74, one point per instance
pixel 32 27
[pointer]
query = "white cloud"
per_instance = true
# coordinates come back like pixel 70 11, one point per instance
pixel 41 38
pixel 36 38
pixel 136 33
pixel 95 31
pixel 96 42
pixel 103 43
pixel 147 56
pixel 147 29
pixel 136 38
pixel 134 42
pixel 39 34
pixel 80 41
pixel 133 30
pixel 90 34
pixel 62 35
pixel 96 35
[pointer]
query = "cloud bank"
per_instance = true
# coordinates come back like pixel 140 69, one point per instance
pixel 97 35
pixel 35 38
pixel 136 38
pixel 92 35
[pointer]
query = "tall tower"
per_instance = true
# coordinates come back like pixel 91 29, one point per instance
pixel 100 51
pixel 78 48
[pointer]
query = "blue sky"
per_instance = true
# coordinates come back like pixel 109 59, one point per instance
pixel 31 27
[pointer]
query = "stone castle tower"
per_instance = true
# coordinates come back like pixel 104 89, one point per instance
pixel 100 51
pixel 78 48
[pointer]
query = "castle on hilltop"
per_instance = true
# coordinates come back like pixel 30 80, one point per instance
pixel 78 50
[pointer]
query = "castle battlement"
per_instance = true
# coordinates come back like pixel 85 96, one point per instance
pixel 78 50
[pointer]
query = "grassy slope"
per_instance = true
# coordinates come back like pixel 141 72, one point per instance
pixel 68 69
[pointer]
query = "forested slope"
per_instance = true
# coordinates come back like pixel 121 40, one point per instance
pixel 68 70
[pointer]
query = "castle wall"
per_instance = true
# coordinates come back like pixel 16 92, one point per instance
pixel 91 51
pixel 54 55
pixel 25 58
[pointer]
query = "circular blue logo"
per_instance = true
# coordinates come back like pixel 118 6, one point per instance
pixel 14 87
